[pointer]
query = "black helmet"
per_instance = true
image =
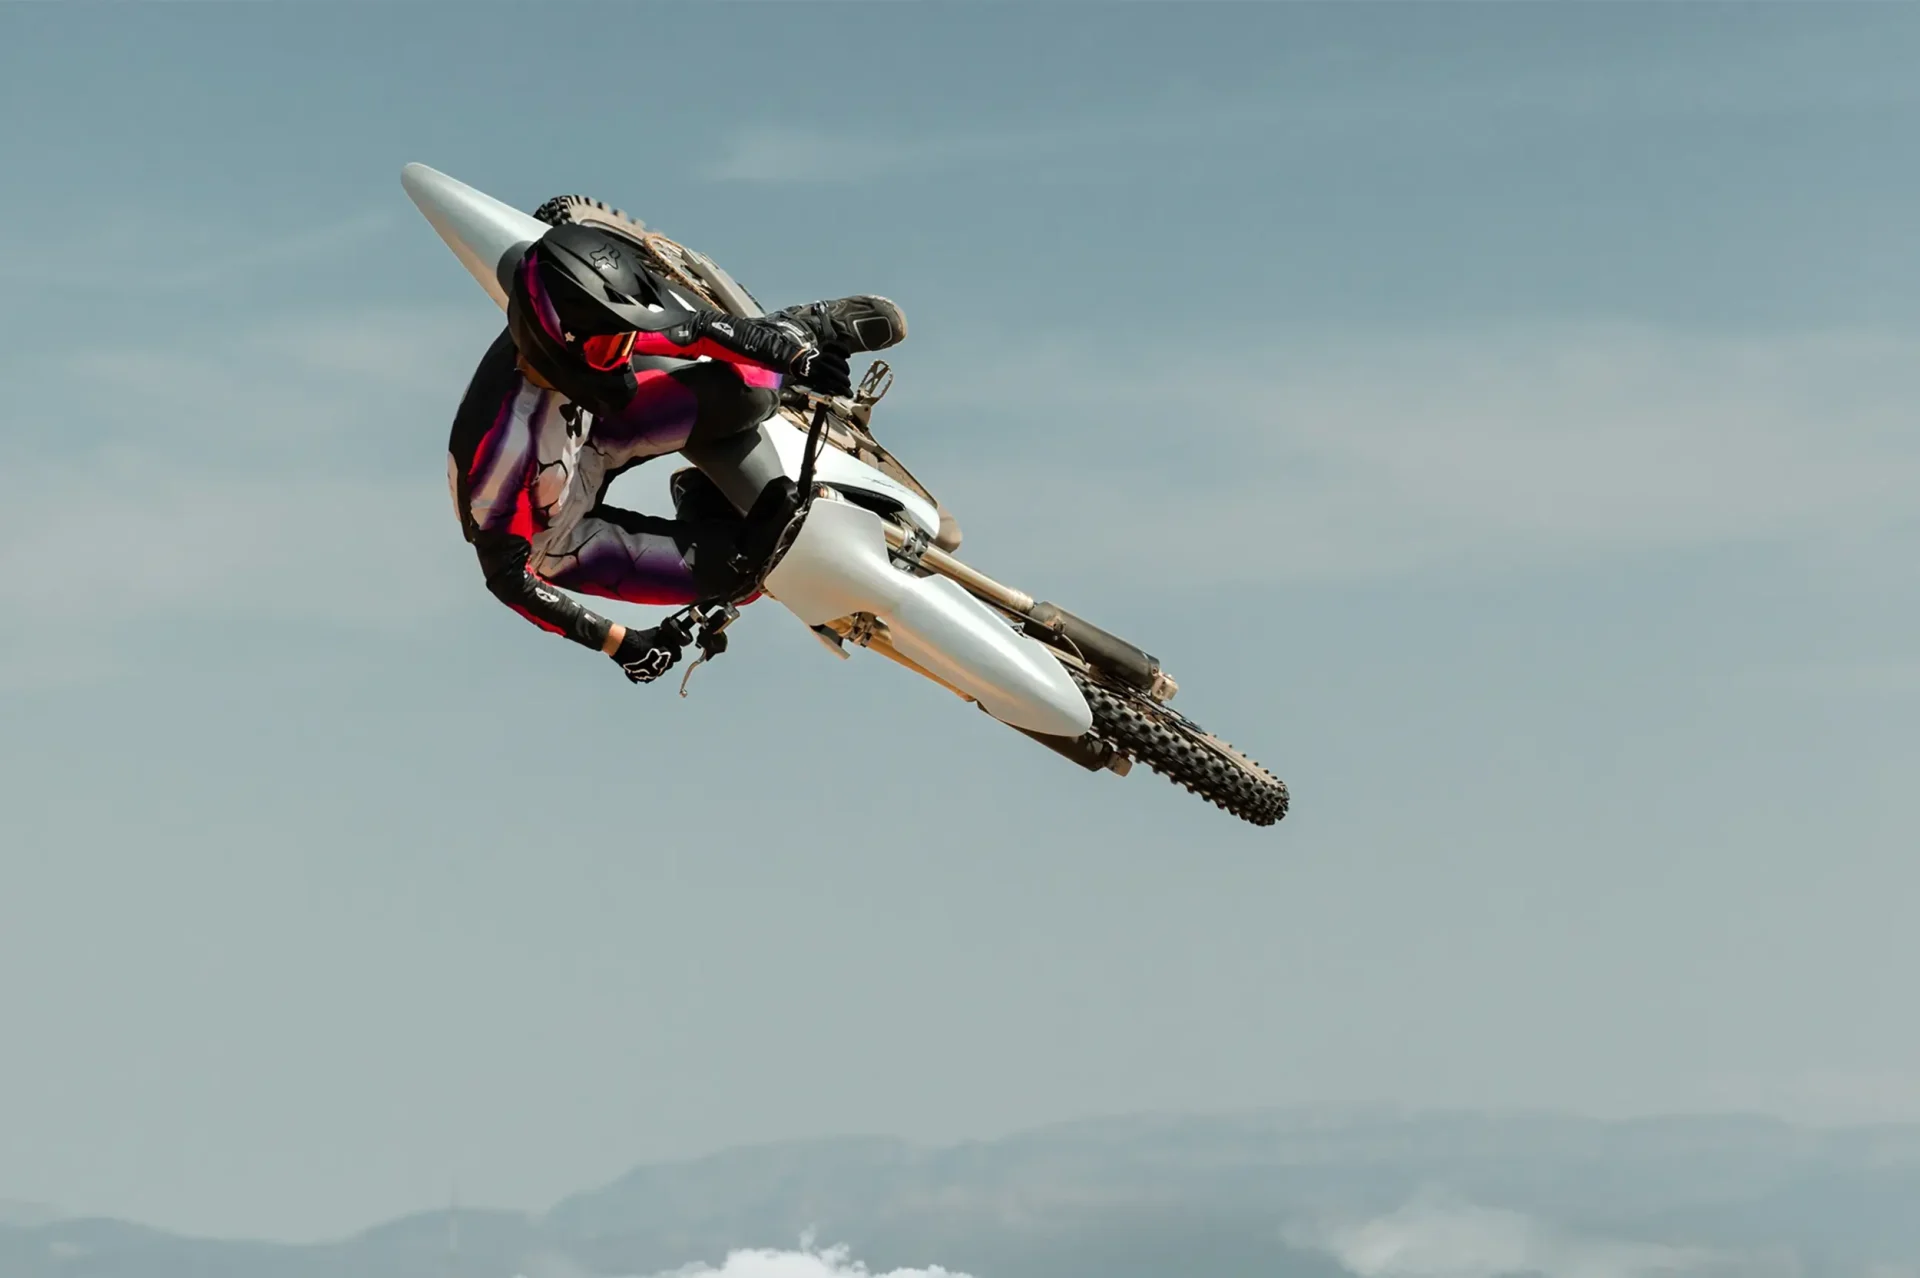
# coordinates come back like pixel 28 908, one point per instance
pixel 578 282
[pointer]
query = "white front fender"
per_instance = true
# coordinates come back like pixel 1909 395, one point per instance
pixel 838 565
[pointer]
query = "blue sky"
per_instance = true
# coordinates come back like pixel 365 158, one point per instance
pixel 1501 419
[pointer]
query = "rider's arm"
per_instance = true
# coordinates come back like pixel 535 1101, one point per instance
pixel 685 328
pixel 503 558
pixel 763 345
pixel 492 461
pixel 686 342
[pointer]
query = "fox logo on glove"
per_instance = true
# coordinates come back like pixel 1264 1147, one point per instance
pixel 650 665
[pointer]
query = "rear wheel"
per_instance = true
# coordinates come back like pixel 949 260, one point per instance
pixel 676 261
pixel 1184 752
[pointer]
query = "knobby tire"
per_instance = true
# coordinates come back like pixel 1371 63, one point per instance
pixel 1184 753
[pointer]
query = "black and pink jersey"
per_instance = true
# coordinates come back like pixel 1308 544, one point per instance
pixel 529 467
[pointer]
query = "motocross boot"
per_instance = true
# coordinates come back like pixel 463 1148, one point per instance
pixel 764 526
pixel 727 551
pixel 860 323
pixel 695 497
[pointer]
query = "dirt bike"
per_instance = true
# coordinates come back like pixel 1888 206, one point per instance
pixel 868 561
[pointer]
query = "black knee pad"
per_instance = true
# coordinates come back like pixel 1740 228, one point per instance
pixel 725 404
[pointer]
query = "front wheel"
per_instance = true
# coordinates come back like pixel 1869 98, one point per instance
pixel 1182 751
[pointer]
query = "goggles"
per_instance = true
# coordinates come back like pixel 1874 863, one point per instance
pixel 605 352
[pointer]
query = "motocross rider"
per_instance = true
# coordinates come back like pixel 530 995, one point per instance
pixel 603 365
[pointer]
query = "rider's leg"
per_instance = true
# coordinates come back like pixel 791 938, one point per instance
pixel 619 554
pixel 725 442
pixel 695 496
pixel 708 411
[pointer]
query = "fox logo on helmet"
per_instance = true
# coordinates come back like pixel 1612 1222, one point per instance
pixel 605 258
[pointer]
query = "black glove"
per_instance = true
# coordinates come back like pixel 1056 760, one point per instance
pixel 826 372
pixel 778 346
pixel 645 655
pixel 785 347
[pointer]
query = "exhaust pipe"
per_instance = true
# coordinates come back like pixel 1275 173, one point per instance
pixel 1050 623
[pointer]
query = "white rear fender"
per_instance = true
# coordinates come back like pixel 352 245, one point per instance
pixel 838 565
pixel 487 236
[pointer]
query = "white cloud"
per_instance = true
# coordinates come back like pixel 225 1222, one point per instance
pixel 291 472
pixel 1343 459
pixel 1338 93
pixel 138 251
pixel 293 378
pixel 425 352
pixel 103 548
pixel 1437 1239
pixel 299 466
pixel 808 1262
pixel 139 536
pixel 788 153
pixel 781 153
pixel 294 472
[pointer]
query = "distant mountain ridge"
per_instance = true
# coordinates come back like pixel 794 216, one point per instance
pixel 1147 1197
pixel 21 1215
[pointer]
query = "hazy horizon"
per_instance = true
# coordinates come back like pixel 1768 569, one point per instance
pixel 1088 1134
pixel 1303 1194
pixel 18 1211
